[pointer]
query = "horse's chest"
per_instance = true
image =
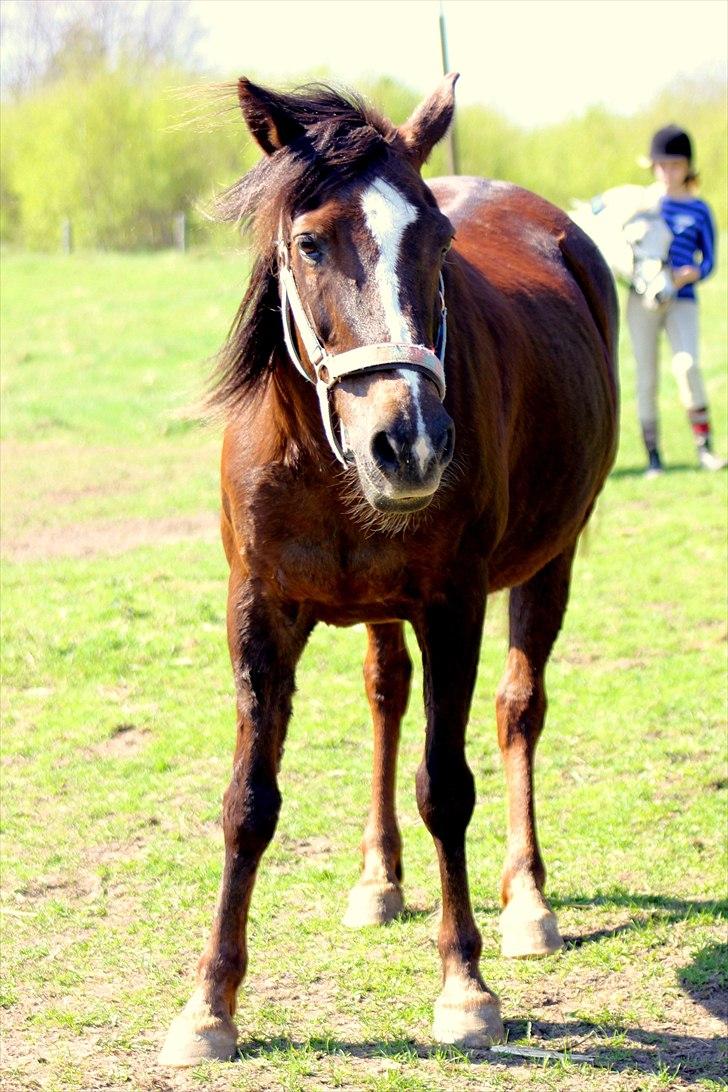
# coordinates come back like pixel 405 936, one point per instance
pixel 335 572
pixel 297 540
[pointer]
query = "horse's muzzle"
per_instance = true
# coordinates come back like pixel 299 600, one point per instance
pixel 402 469
pixel 398 434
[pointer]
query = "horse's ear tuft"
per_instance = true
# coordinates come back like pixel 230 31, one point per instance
pixel 267 116
pixel 430 121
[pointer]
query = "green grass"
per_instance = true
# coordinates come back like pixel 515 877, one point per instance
pixel 117 736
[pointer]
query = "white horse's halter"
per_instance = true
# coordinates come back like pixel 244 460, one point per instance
pixel 329 368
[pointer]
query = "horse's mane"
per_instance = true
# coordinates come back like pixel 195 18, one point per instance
pixel 341 140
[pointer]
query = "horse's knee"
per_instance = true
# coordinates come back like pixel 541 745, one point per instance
pixel 387 682
pixel 520 710
pixel 445 797
pixel 250 815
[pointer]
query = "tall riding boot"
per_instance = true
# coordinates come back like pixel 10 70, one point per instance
pixel 700 424
pixel 649 436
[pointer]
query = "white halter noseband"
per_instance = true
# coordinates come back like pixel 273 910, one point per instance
pixel 329 368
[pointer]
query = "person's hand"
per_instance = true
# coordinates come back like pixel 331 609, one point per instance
pixel 685 274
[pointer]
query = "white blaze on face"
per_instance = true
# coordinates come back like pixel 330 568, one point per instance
pixel 388 214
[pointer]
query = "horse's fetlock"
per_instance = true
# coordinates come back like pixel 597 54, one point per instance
pixel 228 966
pixel 461 949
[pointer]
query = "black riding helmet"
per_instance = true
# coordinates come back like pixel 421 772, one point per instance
pixel 672 142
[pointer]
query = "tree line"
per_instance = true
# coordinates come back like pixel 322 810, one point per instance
pixel 116 132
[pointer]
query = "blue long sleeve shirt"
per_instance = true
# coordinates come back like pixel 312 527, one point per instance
pixel 693 243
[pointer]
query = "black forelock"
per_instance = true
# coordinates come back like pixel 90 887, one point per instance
pixel 342 140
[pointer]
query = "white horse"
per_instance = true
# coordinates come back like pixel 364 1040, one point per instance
pixel 626 225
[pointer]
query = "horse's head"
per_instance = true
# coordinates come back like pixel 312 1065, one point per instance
pixel 359 248
pixel 650 239
pixel 626 224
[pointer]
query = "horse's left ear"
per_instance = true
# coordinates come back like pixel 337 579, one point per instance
pixel 430 121
pixel 268 116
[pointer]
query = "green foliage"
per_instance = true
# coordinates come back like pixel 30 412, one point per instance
pixel 109 153
pixel 120 156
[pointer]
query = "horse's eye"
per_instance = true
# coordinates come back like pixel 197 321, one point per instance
pixel 309 248
pixel 446 247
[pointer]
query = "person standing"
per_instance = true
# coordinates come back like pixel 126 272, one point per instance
pixel 691 259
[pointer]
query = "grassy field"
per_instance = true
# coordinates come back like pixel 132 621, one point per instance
pixel 118 729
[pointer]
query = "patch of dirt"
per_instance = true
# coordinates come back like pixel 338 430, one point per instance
pixel 126 741
pixel 83 885
pixel 114 853
pixel 312 849
pixel 95 538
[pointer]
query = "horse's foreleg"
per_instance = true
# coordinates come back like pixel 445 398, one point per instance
pixel 264 648
pixel 466 1012
pixel 377 897
pixel 528 926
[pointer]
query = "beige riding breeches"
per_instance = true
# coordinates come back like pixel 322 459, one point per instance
pixel 679 320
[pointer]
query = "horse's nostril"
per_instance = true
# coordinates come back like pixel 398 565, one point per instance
pixel 384 453
pixel 447 445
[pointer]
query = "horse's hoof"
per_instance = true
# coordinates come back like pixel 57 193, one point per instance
pixel 529 929
pixel 467 1017
pixel 197 1035
pixel 373 904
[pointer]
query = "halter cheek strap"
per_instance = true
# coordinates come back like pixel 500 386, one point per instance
pixel 329 368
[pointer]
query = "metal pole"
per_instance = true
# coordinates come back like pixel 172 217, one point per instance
pixel 180 231
pixel 452 144
pixel 67 236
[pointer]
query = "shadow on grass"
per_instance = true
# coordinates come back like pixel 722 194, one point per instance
pixel 613 1046
pixel 418 914
pixel 639 471
pixel 706 979
pixel 675 908
pixel 635 1050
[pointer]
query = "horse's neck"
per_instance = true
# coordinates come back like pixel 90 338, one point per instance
pixel 291 410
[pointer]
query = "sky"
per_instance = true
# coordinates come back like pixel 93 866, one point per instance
pixel 536 61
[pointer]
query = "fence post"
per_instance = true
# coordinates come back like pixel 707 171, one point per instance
pixel 179 231
pixel 66 236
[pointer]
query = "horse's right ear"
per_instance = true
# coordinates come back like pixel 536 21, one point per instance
pixel 267 116
pixel 430 121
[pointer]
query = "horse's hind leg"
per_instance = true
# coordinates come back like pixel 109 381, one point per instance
pixel 536 610
pixel 377 897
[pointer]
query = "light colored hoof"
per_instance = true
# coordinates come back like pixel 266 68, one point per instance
pixel 529 929
pixel 468 1018
pixel 196 1035
pixel 373 904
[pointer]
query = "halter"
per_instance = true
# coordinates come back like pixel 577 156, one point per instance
pixel 329 368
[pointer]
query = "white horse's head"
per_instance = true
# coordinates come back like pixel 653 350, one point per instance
pixel 626 225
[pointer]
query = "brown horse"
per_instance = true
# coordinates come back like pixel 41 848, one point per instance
pixel 359 491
